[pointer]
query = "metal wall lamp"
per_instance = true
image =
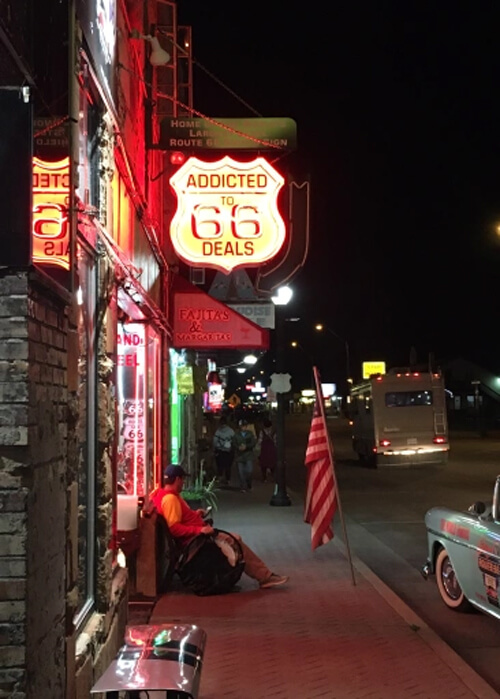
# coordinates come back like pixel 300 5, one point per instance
pixel 158 55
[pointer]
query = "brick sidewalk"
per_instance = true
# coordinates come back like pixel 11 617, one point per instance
pixel 320 636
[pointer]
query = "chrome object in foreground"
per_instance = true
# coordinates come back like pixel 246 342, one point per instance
pixel 157 657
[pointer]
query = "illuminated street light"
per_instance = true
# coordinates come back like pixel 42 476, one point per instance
pixel 241 367
pixel 283 296
pixel 249 360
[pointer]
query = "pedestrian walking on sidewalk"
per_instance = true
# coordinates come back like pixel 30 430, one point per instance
pixel 266 448
pixel 244 444
pixel 224 449
pixel 185 524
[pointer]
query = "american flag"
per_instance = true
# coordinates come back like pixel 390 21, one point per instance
pixel 321 501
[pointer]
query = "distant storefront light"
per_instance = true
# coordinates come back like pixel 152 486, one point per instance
pixel 374 367
pixel 258 388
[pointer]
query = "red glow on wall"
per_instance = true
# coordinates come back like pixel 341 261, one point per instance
pixel 50 212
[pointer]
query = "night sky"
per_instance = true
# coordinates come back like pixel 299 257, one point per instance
pixel 397 110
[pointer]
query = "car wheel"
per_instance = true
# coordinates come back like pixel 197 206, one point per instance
pixel 448 586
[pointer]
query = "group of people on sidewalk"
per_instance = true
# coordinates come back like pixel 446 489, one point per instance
pixel 243 446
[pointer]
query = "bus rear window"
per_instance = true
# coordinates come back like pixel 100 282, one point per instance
pixel 408 399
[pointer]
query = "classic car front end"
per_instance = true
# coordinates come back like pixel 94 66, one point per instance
pixel 464 555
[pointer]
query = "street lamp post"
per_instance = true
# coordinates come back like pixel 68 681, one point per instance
pixel 280 497
pixel 320 327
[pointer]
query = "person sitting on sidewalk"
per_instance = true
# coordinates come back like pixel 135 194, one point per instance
pixel 185 524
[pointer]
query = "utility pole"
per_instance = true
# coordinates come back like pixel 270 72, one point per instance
pixel 281 384
pixel 280 497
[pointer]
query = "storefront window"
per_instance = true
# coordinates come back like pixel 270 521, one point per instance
pixel 87 299
pixel 138 389
pixel 131 387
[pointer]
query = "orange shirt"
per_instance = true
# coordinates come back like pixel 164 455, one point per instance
pixel 183 522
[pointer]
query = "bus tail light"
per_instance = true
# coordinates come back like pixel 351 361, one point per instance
pixel 439 440
pixel 385 443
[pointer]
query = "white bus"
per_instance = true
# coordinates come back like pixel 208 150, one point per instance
pixel 400 418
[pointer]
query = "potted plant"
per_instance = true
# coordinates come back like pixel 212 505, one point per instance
pixel 201 494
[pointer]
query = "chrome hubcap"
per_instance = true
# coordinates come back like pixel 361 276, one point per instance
pixel 450 582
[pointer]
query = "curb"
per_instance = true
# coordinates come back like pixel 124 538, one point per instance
pixel 460 668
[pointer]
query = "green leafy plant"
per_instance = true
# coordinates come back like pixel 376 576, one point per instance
pixel 202 490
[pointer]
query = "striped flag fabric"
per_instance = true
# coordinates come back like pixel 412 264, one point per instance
pixel 321 501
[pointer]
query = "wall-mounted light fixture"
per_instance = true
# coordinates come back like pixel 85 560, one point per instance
pixel 158 55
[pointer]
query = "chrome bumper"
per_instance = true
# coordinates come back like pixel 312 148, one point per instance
pixel 426 570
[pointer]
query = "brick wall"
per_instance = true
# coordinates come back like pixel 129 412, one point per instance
pixel 41 654
pixel 33 488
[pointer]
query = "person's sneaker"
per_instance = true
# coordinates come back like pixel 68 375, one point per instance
pixel 274 581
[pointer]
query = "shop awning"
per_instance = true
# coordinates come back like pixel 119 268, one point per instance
pixel 200 322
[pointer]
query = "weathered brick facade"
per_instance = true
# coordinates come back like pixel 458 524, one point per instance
pixel 41 654
pixel 33 486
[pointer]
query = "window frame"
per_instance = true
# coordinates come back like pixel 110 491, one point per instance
pixel 89 439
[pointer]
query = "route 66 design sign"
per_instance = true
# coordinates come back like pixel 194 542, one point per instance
pixel 227 213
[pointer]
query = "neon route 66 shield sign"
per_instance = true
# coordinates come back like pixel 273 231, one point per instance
pixel 227 213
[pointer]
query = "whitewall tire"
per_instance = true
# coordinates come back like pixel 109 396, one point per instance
pixel 448 585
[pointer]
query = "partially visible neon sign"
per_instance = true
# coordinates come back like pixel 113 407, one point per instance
pixel 215 396
pixel 227 214
pixel 50 212
pixel 131 391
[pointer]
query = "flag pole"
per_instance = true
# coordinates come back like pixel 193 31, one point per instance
pixel 319 398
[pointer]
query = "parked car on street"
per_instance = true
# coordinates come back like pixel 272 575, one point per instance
pixel 464 554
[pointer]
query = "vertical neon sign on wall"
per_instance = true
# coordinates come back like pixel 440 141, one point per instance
pixel 131 364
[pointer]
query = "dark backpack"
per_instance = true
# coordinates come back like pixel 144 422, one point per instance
pixel 208 569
